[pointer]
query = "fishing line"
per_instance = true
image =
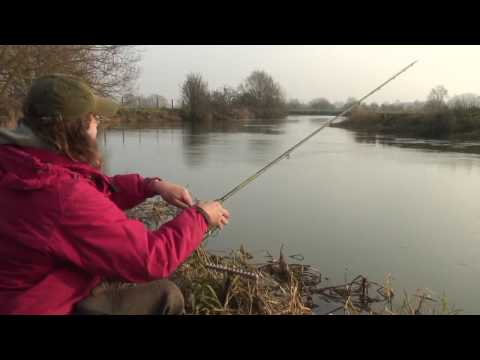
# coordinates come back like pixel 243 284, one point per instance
pixel 301 142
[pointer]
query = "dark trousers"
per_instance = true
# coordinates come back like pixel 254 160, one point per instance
pixel 161 297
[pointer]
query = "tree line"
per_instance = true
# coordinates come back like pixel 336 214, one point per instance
pixel 259 96
pixel 112 70
pixel 437 100
pixel 440 116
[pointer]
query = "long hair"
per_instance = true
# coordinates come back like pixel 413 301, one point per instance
pixel 67 137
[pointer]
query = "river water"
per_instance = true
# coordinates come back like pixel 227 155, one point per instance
pixel 349 203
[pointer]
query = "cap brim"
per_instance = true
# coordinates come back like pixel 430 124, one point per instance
pixel 105 107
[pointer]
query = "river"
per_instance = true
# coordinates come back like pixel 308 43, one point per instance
pixel 349 203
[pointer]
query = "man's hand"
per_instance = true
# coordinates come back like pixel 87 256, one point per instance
pixel 174 194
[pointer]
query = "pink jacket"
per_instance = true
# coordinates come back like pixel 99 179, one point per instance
pixel 62 230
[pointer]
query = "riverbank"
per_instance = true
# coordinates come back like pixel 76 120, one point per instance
pixel 136 118
pixel 156 118
pixel 237 283
pixel 447 124
pixel 142 118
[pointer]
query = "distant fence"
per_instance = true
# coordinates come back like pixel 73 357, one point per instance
pixel 142 104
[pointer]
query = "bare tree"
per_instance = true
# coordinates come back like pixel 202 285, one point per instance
pixel 195 97
pixel 110 69
pixel 130 100
pixel 295 104
pixel 465 101
pixel 350 101
pixel 321 104
pixel 157 101
pixel 263 94
pixel 224 101
pixel 437 98
pixel 339 105
pixel 438 94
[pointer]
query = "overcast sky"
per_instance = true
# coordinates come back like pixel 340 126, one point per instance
pixel 309 71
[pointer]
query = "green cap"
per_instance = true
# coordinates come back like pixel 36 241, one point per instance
pixel 67 96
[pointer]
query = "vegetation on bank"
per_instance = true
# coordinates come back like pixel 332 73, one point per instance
pixel 111 70
pixel 457 119
pixel 279 286
pixel 259 96
pixel 142 118
pixel 447 123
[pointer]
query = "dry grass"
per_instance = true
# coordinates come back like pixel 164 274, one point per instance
pixel 278 287
pixel 212 292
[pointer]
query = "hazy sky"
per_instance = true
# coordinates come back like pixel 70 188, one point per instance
pixel 309 71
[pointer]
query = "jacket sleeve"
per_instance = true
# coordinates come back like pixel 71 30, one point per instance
pixel 131 190
pixel 97 237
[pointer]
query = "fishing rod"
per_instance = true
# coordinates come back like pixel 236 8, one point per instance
pixel 301 142
pixel 290 150
pixel 254 275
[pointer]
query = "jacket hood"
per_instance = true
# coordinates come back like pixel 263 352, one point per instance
pixel 21 136
pixel 26 163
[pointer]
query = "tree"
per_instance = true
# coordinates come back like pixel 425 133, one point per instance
pixel 295 104
pixel 195 97
pixel 385 106
pixel 321 104
pixel 263 94
pixel 130 99
pixel 350 101
pixel 436 98
pixel 438 94
pixel 223 101
pixel 465 101
pixel 339 105
pixel 156 101
pixel 110 69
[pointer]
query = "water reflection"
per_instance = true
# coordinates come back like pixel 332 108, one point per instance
pixel 257 126
pixel 195 140
pixel 199 138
